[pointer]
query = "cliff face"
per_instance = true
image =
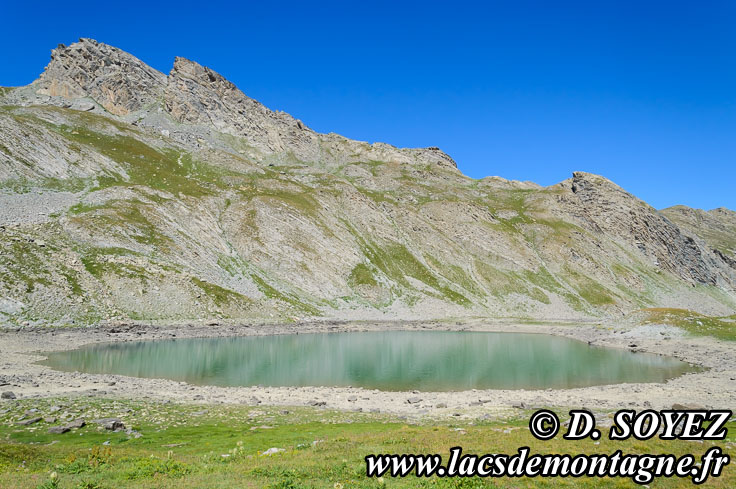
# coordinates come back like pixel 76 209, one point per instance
pixel 127 193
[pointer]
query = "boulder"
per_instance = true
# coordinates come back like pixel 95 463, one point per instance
pixel 28 421
pixel 112 424
pixel 77 423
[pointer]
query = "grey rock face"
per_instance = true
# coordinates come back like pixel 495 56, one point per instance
pixel 717 227
pixel 609 209
pixel 198 95
pixel 118 81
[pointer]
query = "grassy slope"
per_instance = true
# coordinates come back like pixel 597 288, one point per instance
pixel 183 448
pixel 693 322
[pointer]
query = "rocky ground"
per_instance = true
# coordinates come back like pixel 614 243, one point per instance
pixel 713 387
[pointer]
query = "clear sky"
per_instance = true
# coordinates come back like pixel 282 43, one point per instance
pixel 642 92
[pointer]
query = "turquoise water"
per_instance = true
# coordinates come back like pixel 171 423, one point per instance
pixel 390 360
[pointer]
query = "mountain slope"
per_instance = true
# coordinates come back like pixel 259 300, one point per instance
pixel 132 194
pixel 717 227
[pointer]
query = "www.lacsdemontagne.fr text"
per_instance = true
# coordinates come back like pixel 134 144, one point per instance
pixel 641 468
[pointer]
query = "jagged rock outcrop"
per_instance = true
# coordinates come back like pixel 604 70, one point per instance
pixel 118 81
pixel 200 104
pixel 608 209
pixel 127 193
pixel 717 227
pixel 198 95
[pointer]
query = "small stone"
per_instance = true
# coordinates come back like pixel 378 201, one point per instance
pixel 352 398
pixel 272 451
pixel 8 395
pixel 58 430
pixel 688 407
pixel 133 433
pixel 84 106
pixel 441 405
pixel 414 400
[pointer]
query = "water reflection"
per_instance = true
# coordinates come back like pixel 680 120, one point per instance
pixel 391 360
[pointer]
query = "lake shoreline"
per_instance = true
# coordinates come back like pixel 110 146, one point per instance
pixel 713 387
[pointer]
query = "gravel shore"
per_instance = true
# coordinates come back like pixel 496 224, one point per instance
pixel 20 350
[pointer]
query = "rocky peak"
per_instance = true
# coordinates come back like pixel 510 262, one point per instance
pixel 201 102
pixel 606 208
pixel 118 81
pixel 595 188
pixel 724 213
pixel 198 95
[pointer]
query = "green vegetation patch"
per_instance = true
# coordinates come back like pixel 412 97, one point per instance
pixel 502 283
pixel 454 274
pixel 589 290
pixel 272 293
pixel 397 262
pixel 23 185
pixel 218 447
pixel 361 275
pixel 166 170
pixel 692 322
pixel 236 266
pixel 220 295
pixel 23 264
pixel 127 219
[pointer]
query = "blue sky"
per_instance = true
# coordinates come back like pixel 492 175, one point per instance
pixel 641 92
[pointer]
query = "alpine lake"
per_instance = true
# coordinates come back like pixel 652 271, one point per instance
pixel 388 360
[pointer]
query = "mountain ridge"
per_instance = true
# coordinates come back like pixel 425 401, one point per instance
pixel 178 197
